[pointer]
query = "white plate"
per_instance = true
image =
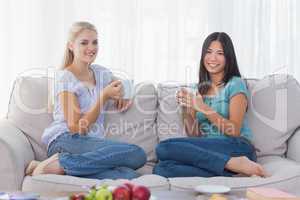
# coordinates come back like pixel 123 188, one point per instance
pixel 153 197
pixel 23 196
pixel 212 189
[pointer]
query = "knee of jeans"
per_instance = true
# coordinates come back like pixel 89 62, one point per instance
pixel 53 149
pixel 161 151
pixel 140 156
pixel 161 169
pixel 157 169
pixel 127 173
pixel 167 141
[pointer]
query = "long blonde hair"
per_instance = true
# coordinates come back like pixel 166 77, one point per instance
pixel 75 29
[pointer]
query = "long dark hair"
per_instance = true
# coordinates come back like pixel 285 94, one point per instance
pixel 231 67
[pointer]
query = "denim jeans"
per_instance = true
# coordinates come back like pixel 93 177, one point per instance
pixel 98 158
pixel 200 156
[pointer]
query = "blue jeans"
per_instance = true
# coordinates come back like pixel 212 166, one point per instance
pixel 200 156
pixel 98 158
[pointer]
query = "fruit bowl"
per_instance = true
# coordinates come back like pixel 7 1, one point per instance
pixel 126 191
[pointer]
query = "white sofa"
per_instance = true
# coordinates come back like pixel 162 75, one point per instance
pixel 273 114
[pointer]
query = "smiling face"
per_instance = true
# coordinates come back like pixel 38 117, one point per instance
pixel 218 62
pixel 85 46
pixel 214 59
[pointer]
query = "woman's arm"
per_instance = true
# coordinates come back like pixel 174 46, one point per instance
pixel 190 122
pixel 237 110
pixel 78 123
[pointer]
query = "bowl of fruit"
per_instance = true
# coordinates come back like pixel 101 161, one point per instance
pixel 126 191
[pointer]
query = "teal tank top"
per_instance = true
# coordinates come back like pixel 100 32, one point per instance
pixel 220 104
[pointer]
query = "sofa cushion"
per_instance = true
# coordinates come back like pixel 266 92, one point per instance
pixel 285 175
pixel 169 117
pixel 136 125
pixel 29 110
pixel 272 112
pixel 294 146
pixel 59 183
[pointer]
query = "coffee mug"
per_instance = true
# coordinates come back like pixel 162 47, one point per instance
pixel 128 88
pixel 190 89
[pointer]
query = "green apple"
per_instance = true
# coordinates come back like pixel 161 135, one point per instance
pixel 104 194
pixel 91 195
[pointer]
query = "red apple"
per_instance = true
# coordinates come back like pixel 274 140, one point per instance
pixel 122 193
pixel 140 192
pixel 78 196
pixel 129 185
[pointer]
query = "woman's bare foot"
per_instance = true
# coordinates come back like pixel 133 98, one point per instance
pixel 245 166
pixel 49 166
pixel 31 166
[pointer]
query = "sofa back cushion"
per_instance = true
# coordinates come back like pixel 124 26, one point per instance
pixel 30 109
pixel 169 117
pixel 138 124
pixel 272 112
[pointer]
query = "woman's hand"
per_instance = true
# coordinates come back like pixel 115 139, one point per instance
pixel 182 98
pixel 113 90
pixel 191 102
pixel 123 104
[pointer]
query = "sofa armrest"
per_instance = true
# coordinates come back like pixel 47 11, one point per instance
pixel 16 153
pixel 293 150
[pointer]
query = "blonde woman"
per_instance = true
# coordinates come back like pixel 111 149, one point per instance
pixel 75 138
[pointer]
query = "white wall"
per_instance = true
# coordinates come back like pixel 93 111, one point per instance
pixel 156 40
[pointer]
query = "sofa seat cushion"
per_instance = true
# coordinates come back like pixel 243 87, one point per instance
pixel 285 174
pixel 60 183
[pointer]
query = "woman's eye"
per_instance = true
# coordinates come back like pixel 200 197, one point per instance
pixel 95 42
pixel 84 43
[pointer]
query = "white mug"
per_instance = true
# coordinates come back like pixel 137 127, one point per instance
pixel 189 89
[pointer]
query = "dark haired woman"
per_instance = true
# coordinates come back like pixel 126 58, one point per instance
pixel 219 136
